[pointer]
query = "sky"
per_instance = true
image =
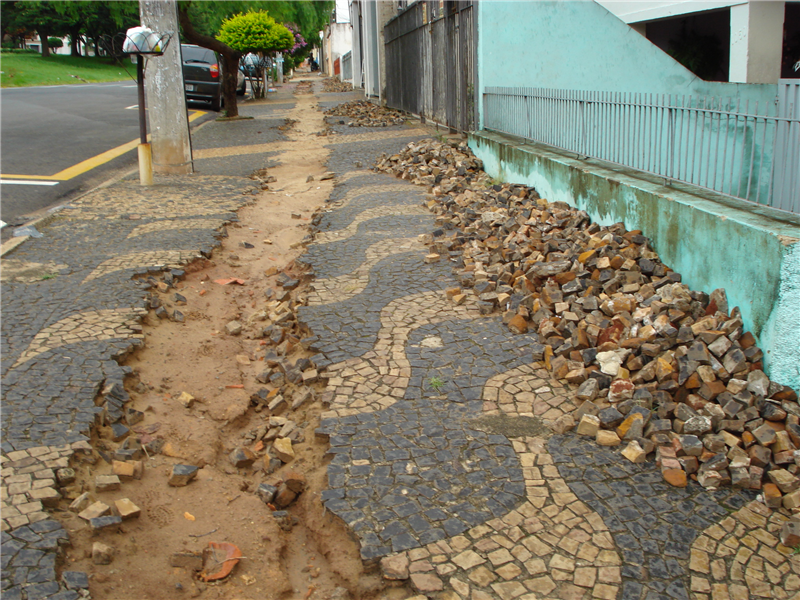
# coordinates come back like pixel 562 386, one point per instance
pixel 342 11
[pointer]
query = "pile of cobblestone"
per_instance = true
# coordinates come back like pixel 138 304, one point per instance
pixel 366 114
pixel 331 85
pixel 303 87
pixel 658 366
pixel 447 167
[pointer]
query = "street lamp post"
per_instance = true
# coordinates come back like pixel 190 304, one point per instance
pixel 145 152
pixel 142 42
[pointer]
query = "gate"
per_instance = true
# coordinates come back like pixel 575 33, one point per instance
pixel 430 51
pixel 347 66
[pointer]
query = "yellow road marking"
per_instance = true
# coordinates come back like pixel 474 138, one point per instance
pixel 196 115
pixel 91 163
pixel 96 161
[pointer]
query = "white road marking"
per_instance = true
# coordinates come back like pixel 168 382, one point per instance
pixel 20 182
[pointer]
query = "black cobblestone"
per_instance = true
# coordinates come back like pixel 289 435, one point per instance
pixel 653 523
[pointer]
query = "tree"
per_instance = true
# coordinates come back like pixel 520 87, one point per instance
pixel 76 18
pixel 230 57
pixel 299 50
pixel 200 22
pixel 255 32
pixel 37 16
pixel 93 20
pixel 9 22
pixel 111 18
pixel 258 33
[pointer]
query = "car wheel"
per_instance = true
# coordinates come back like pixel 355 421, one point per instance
pixel 216 103
pixel 240 91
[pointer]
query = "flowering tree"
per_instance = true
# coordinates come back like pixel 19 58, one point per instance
pixel 298 52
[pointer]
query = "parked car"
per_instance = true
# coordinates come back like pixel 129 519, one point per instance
pixel 252 65
pixel 202 76
pixel 241 83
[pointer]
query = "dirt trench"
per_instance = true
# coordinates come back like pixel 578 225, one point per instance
pixel 317 558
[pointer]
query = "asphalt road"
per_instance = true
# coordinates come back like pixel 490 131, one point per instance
pixel 50 131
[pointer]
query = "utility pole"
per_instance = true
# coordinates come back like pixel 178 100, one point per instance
pixel 169 121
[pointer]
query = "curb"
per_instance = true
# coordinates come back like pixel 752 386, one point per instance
pixel 14 243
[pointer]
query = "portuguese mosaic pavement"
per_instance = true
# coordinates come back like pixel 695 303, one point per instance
pixel 443 463
pixel 63 332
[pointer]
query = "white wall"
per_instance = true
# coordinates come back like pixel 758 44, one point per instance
pixel 756 30
pixel 341 39
pixel 756 42
pixel 355 20
pixel 633 12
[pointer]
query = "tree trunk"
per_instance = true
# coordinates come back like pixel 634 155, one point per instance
pixel 74 38
pixel 229 77
pixel 230 58
pixel 43 36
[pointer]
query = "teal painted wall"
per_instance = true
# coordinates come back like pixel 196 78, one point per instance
pixel 754 257
pixel 783 325
pixel 579 45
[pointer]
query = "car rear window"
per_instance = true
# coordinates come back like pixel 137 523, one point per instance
pixel 194 54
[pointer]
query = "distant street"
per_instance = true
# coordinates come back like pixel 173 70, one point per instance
pixel 51 131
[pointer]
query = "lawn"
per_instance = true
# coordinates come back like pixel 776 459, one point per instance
pixel 19 70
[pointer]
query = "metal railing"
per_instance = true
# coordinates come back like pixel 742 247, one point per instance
pixel 745 150
pixel 347 66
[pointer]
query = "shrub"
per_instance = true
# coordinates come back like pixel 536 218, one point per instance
pixel 54 42
pixel 289 63
pixel 255 32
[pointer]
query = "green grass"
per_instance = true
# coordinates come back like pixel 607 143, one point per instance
pixel 20 70
pixel 437 383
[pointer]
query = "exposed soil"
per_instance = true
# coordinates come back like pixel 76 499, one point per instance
pixel 317 555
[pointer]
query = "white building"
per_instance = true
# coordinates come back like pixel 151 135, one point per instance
pixel 337 39
pixel 741 41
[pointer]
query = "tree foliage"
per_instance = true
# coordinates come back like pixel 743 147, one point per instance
pixel 77 18
pixel 255 32
pixel 202 21
pixel 309 16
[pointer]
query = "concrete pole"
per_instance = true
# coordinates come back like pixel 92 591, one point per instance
pixel 756 42
pixel 169 121
pixel 145 152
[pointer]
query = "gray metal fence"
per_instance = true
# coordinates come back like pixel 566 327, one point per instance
pixel 347 66
pixel 746 150
pixel 431 62
pixel 786 187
